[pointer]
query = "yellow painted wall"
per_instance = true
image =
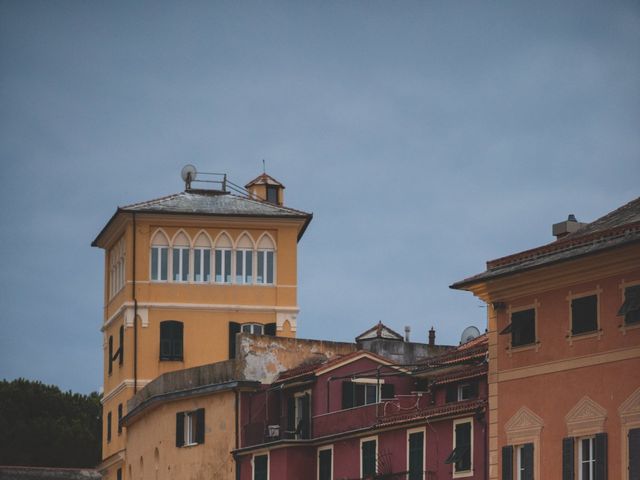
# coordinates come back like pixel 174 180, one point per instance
pixel 152 452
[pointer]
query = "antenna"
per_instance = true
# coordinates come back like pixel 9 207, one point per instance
pixel 264 167
pixel 188 175
pixel 469 334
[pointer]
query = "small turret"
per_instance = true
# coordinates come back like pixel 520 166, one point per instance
pixel 266 188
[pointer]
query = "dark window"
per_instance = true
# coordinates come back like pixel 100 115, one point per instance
pixel 119 419
pixel 634 453
pixel 387 391
pixel 467 391
pixel 121 346
pixel 234 328
pixel 356 394
pixel 567 459
pixel 303 415
pixel 584 315
pixel 451 394
pixel 324 464
pixel 461 454
pixel 110 354
pixel 170 340
pixel 507 462
pixel 190 427
pixel 525 453
pixel 416 455
pixel 523 328
pixel 108 427
pixel 631 306
pixel 272 194
pixel 119 474
pixel 260 467
pixel 368 458
pixel 601 456
pixel 270 329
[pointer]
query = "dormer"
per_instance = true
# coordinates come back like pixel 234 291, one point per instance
pixel 266 188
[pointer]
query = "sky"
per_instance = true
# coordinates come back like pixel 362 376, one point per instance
pixel 426 138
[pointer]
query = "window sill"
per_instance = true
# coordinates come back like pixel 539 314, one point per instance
pixel 189 445
pixel 462 474
pixel 171 359
pixel 523 348
pixel 583 336
pixel 628 326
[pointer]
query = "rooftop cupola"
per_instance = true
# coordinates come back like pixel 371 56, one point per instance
pixel 266 188
pixel 570 225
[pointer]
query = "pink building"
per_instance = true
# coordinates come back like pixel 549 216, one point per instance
pixel 363 416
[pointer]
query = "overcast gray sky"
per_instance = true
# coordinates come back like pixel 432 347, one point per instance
pixel 426 137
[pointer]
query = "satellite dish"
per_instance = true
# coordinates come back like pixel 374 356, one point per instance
pixel 188 173
pixel 469 334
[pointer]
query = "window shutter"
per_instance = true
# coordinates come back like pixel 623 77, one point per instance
pixel 270 329
pixel 291 414
pixel 634 453
pixel 567 458
pixel 507 462
pixel 200 425
pixel 109 427
pixel 233 329
pixel 473 389
pixel 110 354
pixel 121 348
pixel 179 429
pixel 452 393
pixel 527 461
pixel 359 394
pixel 347 394
pixel 388 390
pixel 177 337
pixel 119 418
pixel 306 416
pixel 601 456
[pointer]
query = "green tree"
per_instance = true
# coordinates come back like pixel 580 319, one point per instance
pixel 42 426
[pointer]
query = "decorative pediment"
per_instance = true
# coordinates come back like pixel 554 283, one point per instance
pixel 630 409
pixel 586 418
pixel 523 427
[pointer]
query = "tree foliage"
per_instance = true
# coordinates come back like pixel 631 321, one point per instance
pixel 42 426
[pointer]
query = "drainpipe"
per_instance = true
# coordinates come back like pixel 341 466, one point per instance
pixel 135 311
pixel 235 455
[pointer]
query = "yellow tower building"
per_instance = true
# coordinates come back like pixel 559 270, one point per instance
pixel 183 274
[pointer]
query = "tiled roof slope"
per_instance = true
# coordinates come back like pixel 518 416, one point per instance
pixel 46 473
pixel 617 228
pixel 207 202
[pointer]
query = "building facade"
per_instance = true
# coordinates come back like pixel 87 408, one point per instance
pixel 564 353
pixel 184 274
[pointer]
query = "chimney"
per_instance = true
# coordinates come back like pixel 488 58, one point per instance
pixel 563 229
pixel 407 331
pixel 432 337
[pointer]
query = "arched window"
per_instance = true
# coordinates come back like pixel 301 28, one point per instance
pixel 180 249
pixel 223 259
pixel 244 260
pixel 159 257
pixel 116 267
pixel 266 261
pixel 171 340
pixel 202 259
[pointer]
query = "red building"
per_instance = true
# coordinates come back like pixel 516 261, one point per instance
pixel 364 416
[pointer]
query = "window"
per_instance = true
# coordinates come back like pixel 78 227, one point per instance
pixel 159 258
pixel 171 340
pixel 522 328
pixel 368 457
pixel 462 454
pixel 325 463
pixel 460 392
pixel 190 428
pixel 303 415
pixel 244 266
pixel 584 315
pixel 116 268
pixel 119 418
pixel 415 454
pixel 272 194
pixel 586 454
pixel 180 252
pixel 261 467
pixel 519 460
pixel 255 328
pixel 361 391
pixel 223 259
pixel 108 427
pixel 120 351
pixel 202 259
pixel 634 452
pixel 265 261
pixel 119 474
pixel 631 306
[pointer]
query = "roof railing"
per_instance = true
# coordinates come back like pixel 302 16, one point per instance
pixel 215 181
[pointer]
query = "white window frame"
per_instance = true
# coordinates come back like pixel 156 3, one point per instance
pixel 189 428
pixel 253 465
pixel 297 415
pixel 201 264
pixel 244 274
pixel 181 266
pixel 265 263
pixel 322 449
pixel 460 396
pixel 463 473
pixel 252 328
pixel 159 248
pixel 370 382
pixel 364 440
pixel 592 457
pixel 518 450
pixel 223 270
pixel 422 430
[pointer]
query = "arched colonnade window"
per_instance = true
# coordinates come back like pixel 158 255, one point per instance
pixel 203 260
